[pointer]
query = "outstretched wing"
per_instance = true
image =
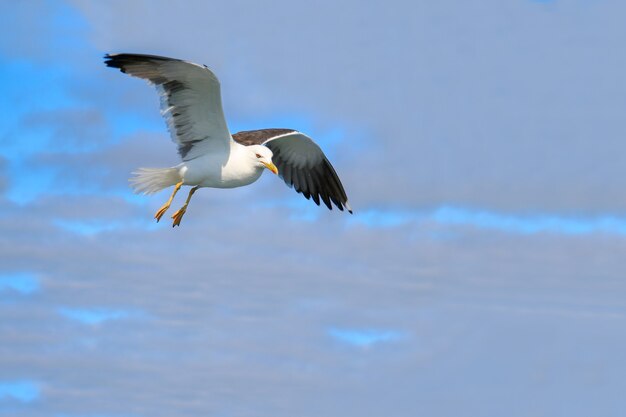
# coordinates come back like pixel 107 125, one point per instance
pixel 190 100
pixel 301 164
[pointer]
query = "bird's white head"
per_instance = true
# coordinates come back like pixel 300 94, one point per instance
pixel 262 156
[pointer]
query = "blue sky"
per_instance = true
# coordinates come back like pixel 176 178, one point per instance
pixel 482 272
pixel 21 282
pixel 23 391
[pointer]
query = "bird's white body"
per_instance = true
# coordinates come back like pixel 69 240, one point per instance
pixel 225 169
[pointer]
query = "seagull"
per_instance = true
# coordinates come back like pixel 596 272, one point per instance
pixel 211 157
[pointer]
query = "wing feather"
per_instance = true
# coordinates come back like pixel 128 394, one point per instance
pixel 301 164
pixel 286 174
pixel 190 100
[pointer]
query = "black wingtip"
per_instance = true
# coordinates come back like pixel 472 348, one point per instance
pixel 135 58
pixel 114 61
pixel 119 61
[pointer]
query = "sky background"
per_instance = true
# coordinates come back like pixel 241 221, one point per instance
pixel 481 145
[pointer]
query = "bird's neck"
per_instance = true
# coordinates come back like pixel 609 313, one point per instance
pixel 240 152
pixel 241 164
pixel 236 148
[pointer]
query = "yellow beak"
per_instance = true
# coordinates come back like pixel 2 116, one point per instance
pixel 271 167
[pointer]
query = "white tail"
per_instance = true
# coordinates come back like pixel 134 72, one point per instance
pixel 152 180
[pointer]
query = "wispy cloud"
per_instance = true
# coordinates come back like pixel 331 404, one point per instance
pixel 486 219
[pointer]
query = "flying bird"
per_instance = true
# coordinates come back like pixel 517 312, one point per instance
pixel 211 157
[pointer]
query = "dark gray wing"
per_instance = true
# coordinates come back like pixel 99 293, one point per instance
pixel 190 100
pixel 301 164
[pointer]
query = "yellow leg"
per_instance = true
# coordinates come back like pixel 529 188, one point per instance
pixel 166 206
pixel 178 216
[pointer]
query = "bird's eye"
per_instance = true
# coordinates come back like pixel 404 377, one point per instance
pixel 258 156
